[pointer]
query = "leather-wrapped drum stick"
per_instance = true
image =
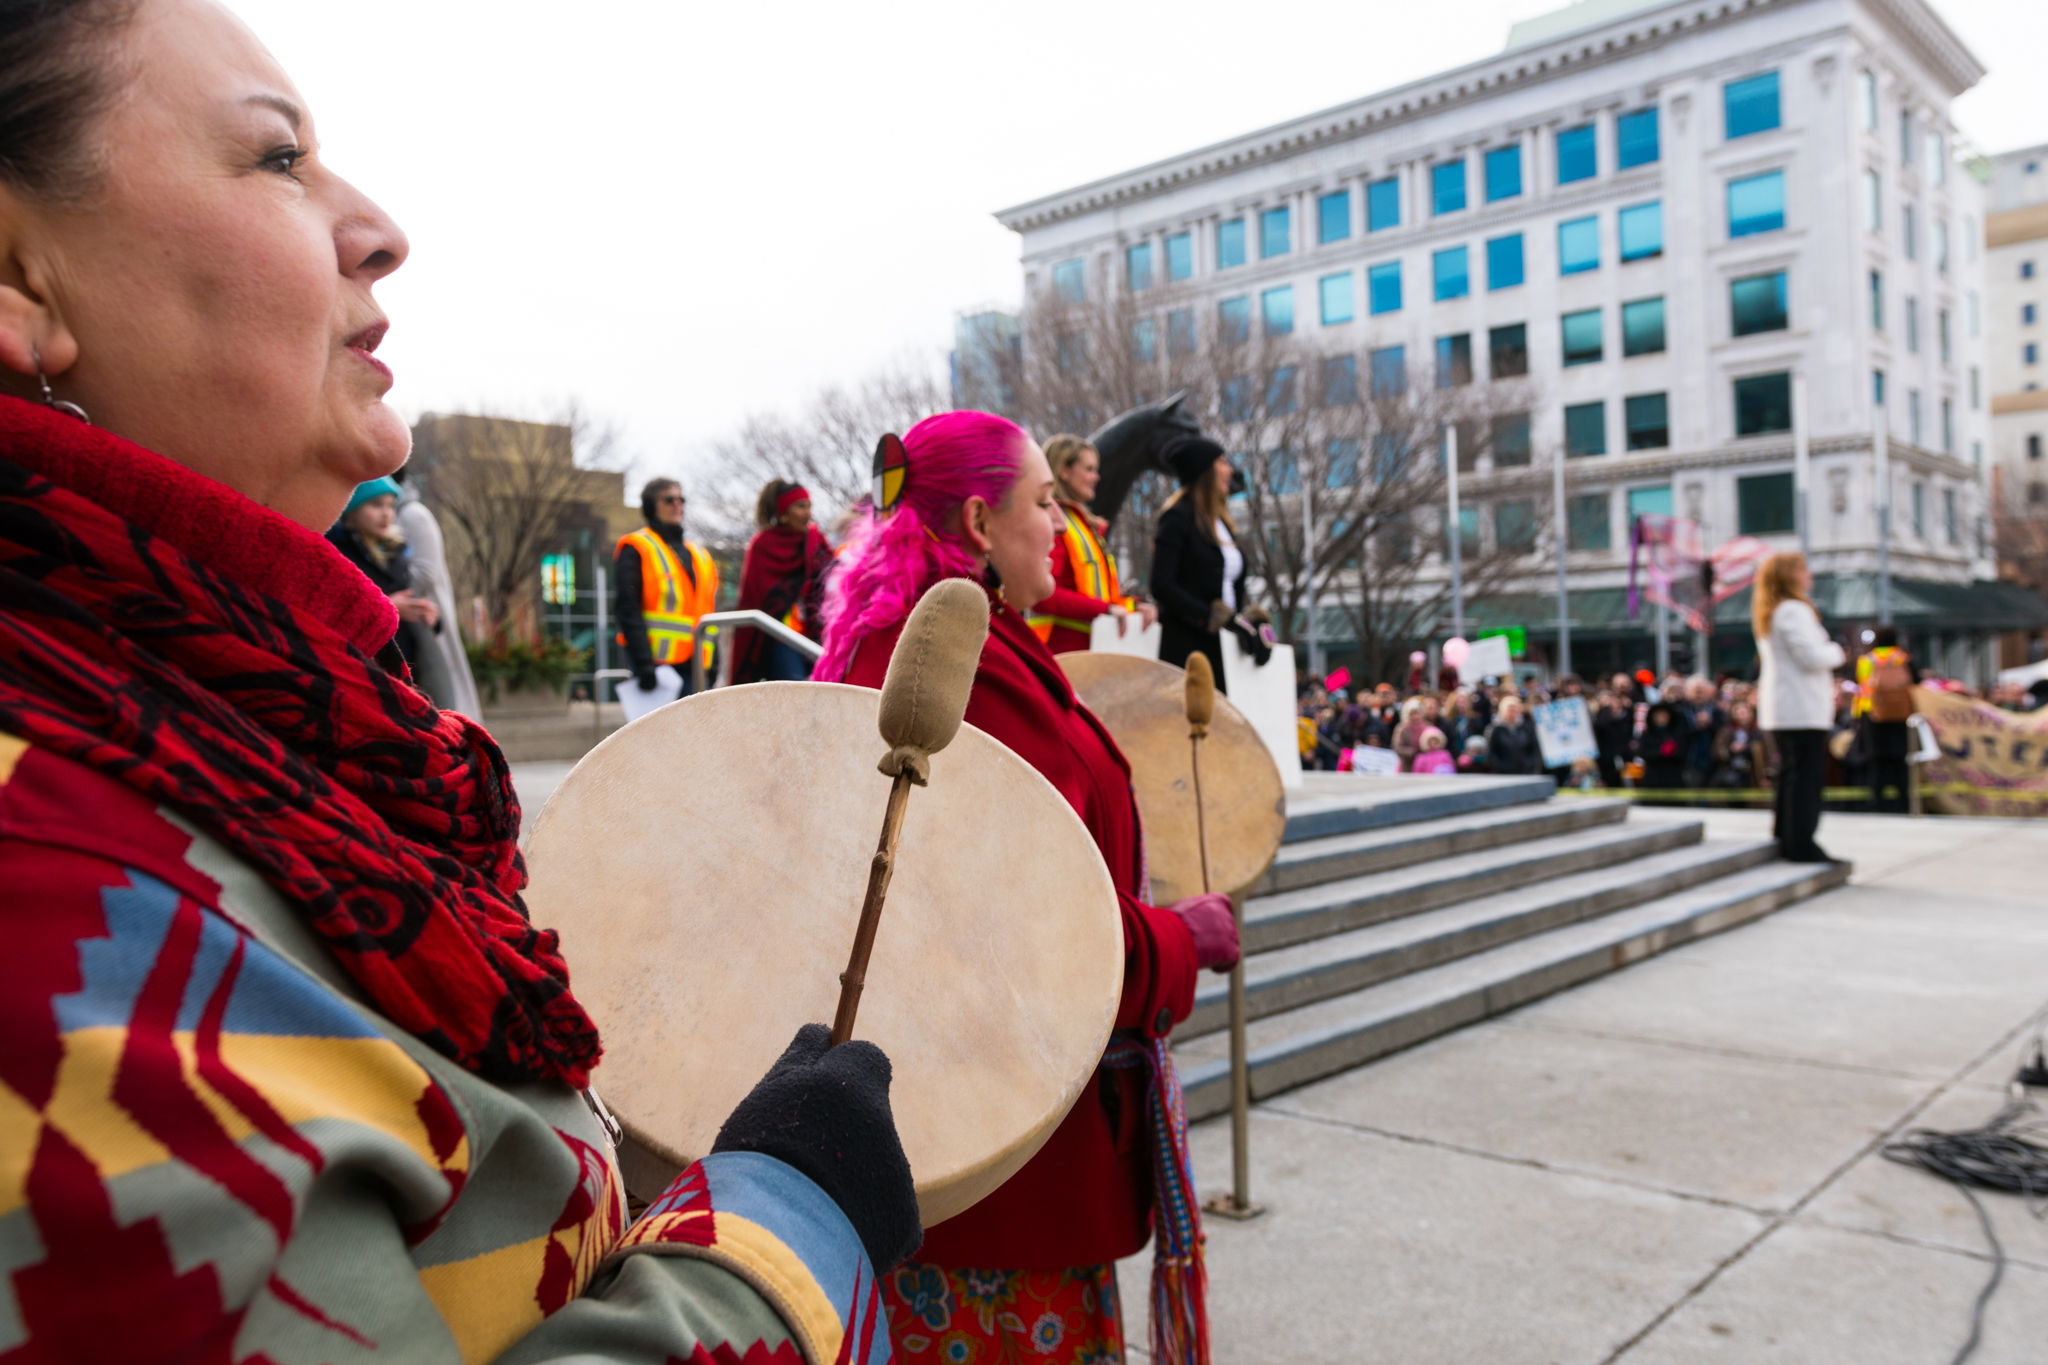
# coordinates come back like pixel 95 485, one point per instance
pixel 924 697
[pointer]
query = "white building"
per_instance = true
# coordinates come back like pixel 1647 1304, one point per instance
pixel 1674 208
pixel 2016 292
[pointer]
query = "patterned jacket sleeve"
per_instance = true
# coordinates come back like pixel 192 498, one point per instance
pixel 210 1149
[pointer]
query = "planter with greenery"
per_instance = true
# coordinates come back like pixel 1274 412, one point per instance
pixel 525 675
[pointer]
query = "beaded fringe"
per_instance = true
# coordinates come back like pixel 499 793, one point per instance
pixel 1180 1280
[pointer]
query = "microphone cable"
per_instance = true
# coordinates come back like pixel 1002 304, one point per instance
pixel 2009 1153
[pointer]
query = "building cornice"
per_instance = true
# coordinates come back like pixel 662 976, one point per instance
pixel 1536 63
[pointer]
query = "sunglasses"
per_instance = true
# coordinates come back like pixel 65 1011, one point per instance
pixel 675 498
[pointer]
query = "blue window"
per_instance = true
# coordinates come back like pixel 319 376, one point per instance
pixel 1280 393
pixel 1340 381
pixel 1635 138
pixel 2030 354
pixel 1653 502
pixel 1503 173
pixel 1343 469
pixel 1230 244
pixel 1383 287
pixel 1390 456
pixel 1234 319
pixel 1333 216
pixel 1585 429
pixel 1383 204
pixel 1514 526
pixel 1577 155
pixel 1751 106
pixel 1454 360
pixel 1763 404
pixel 1274 232
pixel 1453 277
pixel 1756 203
pixel 1138 266
pixel 1578 246
pixel 1389 372
pixel 1642 327
pixel 1237 398
pixel 1504 262
pixel 1447 187
pixel 1642 231
pixel 1067 280
pixel 1145 340
pixel 2026 314
pixel 1180 332
pixel 1336 297
pixel 1756 303
pixel 1180 256
pixel 1648 419
pixel 1586 522
pixel 1276 310
pixel 1582 337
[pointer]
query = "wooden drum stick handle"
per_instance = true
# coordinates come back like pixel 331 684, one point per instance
pixel 879 871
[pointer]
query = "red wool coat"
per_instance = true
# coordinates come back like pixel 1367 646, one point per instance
pixel 1086 1198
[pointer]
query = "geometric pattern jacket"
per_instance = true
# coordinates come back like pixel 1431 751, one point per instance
pixel 211 1149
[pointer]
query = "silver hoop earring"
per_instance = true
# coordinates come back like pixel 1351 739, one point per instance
pixel 51 400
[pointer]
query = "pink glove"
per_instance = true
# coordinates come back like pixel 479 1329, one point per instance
pixel 1214 928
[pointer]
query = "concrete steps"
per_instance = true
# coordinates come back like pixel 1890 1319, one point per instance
pixel 1395 913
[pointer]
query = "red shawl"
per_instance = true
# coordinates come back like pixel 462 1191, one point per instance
pixel 783 570
pixel 160 628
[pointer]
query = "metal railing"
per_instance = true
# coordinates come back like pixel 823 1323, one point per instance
pixel 597 679
pixel 708 630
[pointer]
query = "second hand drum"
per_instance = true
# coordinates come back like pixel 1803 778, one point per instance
pixel 1144 704
pixel 705 867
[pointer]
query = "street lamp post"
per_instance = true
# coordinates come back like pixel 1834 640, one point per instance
pixel 1457 534
pixel 1564 616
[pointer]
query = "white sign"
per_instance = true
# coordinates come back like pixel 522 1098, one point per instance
pixel 1375 762
pixel 1265 695
pixel 1488 659
pixel 1564 729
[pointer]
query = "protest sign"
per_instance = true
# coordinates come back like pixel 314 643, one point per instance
pixel 1992 762
pixel 1487 658
pixel 1564 729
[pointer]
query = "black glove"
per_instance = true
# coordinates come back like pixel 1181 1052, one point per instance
pixel 645 678
pixel 1257 641
pixel 825 1111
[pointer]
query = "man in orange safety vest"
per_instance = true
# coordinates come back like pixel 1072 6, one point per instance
pixel 664 584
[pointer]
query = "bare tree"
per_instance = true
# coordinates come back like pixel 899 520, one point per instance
pixel 505 491
pixel 828 446
pixel 1346 443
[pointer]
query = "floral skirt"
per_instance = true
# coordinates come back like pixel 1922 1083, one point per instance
pixel 992 1317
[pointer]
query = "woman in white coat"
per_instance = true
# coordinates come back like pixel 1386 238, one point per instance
pixel 1795 697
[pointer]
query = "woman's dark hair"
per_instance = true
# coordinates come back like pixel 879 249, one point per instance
pixel 57 76
pixel 1885 637
pixel 765 514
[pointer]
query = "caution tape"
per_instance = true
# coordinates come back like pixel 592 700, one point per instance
pixel 1709 796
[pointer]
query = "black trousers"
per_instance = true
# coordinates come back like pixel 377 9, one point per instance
pixel 1802 773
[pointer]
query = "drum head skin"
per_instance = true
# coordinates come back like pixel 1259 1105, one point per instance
pixel 705 866
pixel 1143 703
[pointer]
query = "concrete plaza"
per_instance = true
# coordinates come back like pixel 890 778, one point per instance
pixel 1678 1162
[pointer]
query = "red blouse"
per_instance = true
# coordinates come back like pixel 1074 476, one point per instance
pixel 1086 1198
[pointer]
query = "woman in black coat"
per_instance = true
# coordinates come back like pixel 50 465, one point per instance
pixel 1197 569
pixel 1511 744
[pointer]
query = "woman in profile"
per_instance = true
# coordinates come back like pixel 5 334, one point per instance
pixel 1197 569
pixel 1795 693
pixel 1084 575
pixel 289 1073
pixel 784 576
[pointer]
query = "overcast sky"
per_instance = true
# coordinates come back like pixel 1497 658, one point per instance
pixel 682 213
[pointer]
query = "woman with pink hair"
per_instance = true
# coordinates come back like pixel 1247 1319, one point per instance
pixel 1033 1265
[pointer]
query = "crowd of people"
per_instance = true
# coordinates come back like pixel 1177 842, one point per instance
pixel 1674 733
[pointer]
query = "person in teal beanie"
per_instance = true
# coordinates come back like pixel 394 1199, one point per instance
pixel 368 535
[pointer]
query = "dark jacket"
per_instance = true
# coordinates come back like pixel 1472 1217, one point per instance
pixel 628 596
pixel 1612 731
pixel 1512 749
pixel 391 578
pixel 1187 575
pixel 1662 750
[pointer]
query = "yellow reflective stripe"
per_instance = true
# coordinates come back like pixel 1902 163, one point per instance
pixel 1037 621
pixel 1094 570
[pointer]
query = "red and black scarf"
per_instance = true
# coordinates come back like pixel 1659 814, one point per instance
pixel 162 629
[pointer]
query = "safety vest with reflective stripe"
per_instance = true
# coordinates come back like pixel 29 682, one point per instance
pixel 1094 574
pixel 670 603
